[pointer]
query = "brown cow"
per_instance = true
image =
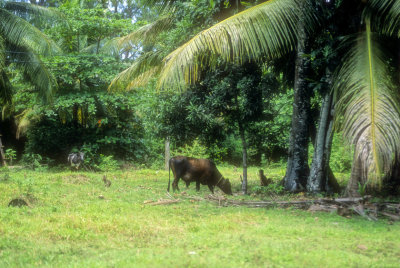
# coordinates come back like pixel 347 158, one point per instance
pixel 201 171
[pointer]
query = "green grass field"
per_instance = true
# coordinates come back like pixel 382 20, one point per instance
pixel 75 221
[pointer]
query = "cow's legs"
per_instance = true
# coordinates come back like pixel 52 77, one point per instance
pixel 197 186
pixel 211 187
pixel 175 183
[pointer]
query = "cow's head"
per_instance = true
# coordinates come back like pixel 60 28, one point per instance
pixel 225 186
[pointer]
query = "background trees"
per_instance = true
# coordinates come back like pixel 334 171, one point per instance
pixel 313 46
pixel 273 29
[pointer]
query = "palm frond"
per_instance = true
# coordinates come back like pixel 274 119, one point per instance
pixel 91 49
pixel 159 4
pixel 386 15
pixel 37 73
pixel 369 105
pixel 110 47
pixel 20 33
pixel 5 88
pixel 2 53
pixel 5 85
pixel 143 78
pixel 24 120
pixel 25 9
pixel 268 29
pixel 145 34
pixel 141 71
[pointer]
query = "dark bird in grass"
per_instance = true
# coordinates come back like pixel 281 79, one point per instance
pixel 107 183
pixel 18 202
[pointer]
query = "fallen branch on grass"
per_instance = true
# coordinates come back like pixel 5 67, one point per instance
pixel 161 202
pixel 343 206
pixel 297 203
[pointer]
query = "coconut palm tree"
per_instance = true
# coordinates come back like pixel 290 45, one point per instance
pixel 22 44
pixel 367 103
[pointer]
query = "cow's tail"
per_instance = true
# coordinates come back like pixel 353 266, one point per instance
pixel 169 174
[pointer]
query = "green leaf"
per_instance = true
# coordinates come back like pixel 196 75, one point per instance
pixel 370 105
pixel 266 30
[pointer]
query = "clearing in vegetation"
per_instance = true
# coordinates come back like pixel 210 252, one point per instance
pixel 74 219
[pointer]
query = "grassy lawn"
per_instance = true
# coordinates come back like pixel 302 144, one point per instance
pixel 75 221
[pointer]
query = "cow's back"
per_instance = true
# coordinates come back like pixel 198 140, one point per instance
pixel 193 169
pixel 203 170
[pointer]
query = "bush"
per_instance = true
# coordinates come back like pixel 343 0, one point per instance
pixel 107 163
pixel 271 189
pixel 341 155
pixel 36 161
pixel 195 149
pixel 91 123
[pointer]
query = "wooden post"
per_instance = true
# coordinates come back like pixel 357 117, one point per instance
pixel 167 153
pixel 3 157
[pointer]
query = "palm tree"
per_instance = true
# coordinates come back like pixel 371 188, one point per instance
pixel 278 43
pixel 366 102
pixel 22 44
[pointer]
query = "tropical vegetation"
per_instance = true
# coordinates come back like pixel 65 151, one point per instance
pixel 304 92
pixel 363 81
pixel 107 59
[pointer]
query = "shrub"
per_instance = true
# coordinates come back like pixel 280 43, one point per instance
pixel 107 163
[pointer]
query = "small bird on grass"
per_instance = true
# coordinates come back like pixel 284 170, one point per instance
pixel 107 183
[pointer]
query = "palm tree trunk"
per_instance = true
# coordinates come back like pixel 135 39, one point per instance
pixel 244 153
pixel 297 167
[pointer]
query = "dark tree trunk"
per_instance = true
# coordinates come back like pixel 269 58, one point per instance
pixel 297 166
pixel 391 184
pixel 116 7
pixel 321 177
pixel 3 157
pixel 244 152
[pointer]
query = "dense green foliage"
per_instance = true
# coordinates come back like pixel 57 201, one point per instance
pixel 83 76
pixel 82 116
pixel 227 97
pixel 95 43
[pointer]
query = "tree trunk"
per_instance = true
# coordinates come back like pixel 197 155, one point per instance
pixel 116 7
pixel 98 46
pixel 104 3
pixel 297 166
pixel 321 177
pixel 391 183
pixel 244 152
pixel 167 153
pixel 3 157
